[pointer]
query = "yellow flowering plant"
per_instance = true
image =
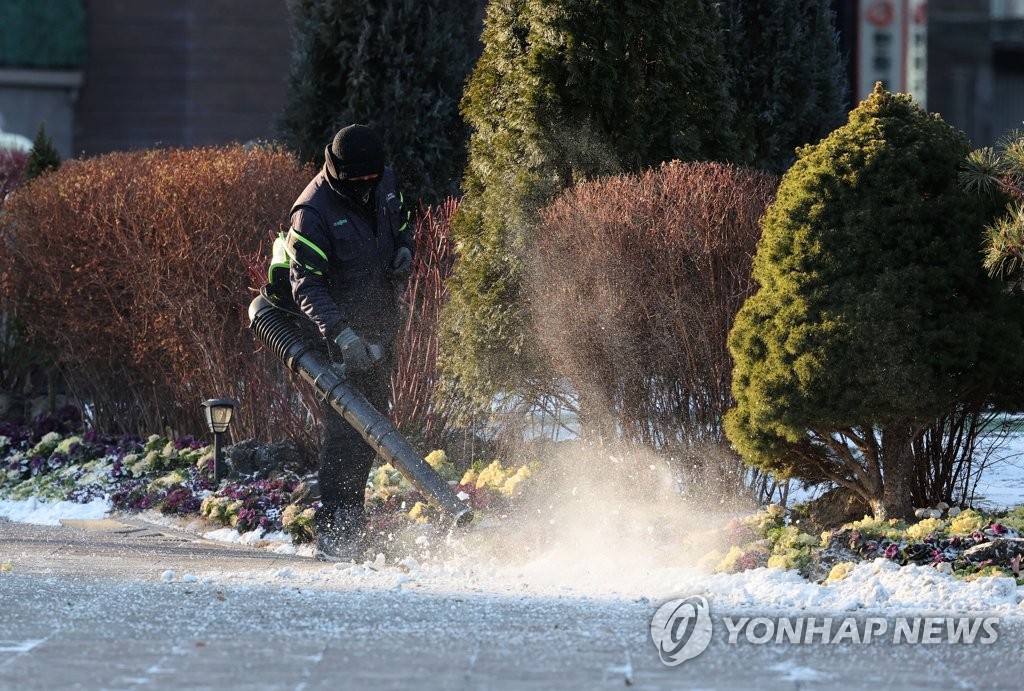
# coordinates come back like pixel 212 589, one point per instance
pixel 926 528
pixel 967 522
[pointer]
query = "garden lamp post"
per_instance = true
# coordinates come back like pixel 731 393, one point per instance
pixel 218 418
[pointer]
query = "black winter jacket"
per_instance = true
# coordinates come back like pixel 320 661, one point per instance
pixel 340 260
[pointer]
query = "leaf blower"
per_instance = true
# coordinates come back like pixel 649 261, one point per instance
pixel 277 330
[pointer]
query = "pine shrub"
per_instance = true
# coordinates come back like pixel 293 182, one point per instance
pixel 43 157
pixel 873 316
pixel 788 77
pixel 397 65
pixel 999 173
pixel 564 92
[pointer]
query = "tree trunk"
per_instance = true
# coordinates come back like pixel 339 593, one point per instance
pixel 896 500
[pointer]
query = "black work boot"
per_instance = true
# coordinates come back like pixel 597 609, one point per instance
pixel 343 537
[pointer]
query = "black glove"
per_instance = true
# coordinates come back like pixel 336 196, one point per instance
pixel 359 355
pixel 401 263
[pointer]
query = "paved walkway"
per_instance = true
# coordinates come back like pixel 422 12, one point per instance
pixel 83 606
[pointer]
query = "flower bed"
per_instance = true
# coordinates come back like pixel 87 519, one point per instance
pixel 964 543
pixel 48 461
pixel 51 461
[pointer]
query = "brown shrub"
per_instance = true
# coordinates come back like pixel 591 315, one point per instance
pixel 635 282
pixel 135 266
pixel 414 381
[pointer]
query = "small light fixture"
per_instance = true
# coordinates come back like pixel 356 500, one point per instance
pixel 218 418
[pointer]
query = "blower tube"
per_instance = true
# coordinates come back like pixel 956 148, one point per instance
pixel 278 331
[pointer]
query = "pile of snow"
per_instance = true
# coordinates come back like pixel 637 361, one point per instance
pixel 50 513
pixel 870 585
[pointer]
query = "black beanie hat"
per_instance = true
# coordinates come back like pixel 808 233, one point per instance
pixel 355 151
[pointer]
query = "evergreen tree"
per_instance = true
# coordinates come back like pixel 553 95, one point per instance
pixel 396 65
pixel 788 76
pixel 997 172
pixel 43 157
pixel 873 314
pixel 565 90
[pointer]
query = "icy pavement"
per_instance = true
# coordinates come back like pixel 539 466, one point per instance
pixel 116 604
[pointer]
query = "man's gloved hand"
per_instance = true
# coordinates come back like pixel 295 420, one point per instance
pixel 358 354
pixel 401 263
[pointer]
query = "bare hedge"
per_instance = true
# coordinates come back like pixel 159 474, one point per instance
pixel 635 281
pixel 12 170
pixel 414 382
pixel 137 267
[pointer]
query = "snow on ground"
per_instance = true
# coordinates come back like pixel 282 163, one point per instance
pixel 50 513
pixel 871 585
pixel 1002 483
pixel 457 566
pixel 874 586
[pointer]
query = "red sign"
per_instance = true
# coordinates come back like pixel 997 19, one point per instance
pixel 881 13
pixel 892 46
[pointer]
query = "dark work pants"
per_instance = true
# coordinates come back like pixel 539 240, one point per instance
pixel 345 457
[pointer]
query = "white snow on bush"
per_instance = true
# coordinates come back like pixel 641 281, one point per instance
pixel 50 513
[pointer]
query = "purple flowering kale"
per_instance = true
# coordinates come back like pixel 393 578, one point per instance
pixel 131 495
pixel 117 470
pixel 188 442
pixel 263 502
pixel 247 520
pixel 65 420
pixel 180 500
pixel 36 465
pixel 86 493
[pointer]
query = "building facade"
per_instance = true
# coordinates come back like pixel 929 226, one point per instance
pixel 143 74
pixel 181 73
pixel 963 59
pixel 105 75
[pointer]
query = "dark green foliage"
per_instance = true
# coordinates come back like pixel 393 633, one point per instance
pixel 998 172
pixel 47 34
pixel 788 79
pixel 565 91
pixel 397 65
pixel 873 316
pixel 43 157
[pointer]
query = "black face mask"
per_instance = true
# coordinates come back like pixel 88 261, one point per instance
pixel 358 190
